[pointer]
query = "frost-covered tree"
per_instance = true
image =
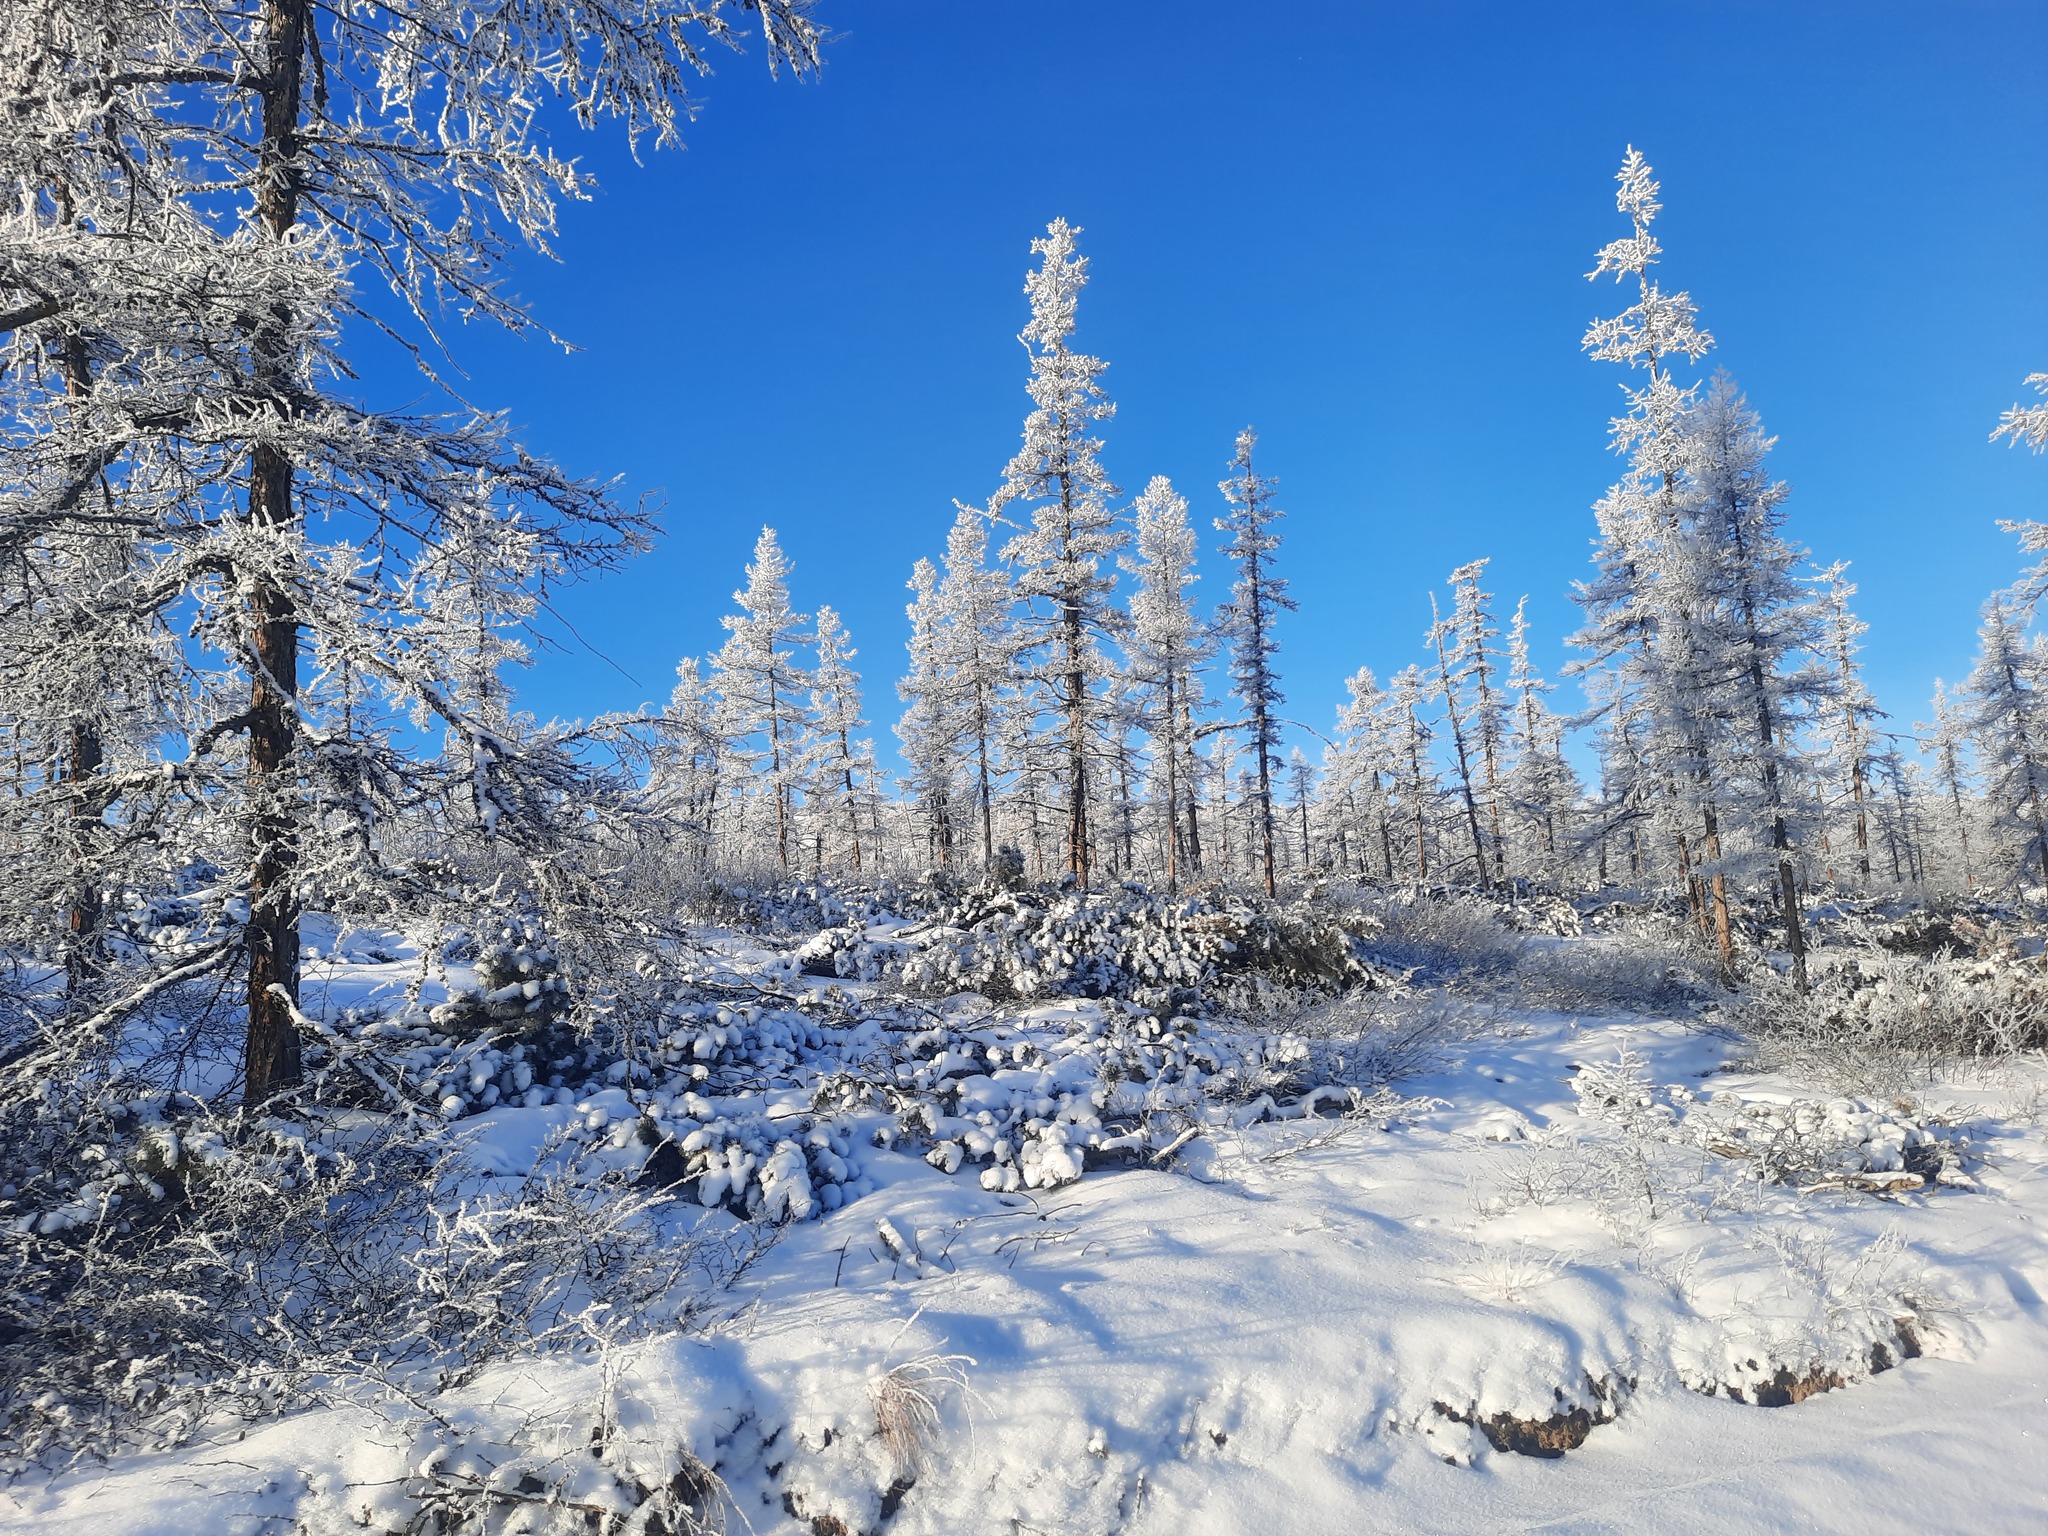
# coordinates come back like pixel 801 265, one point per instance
pixel 1358 774
pixel 1168 647
pixel 2027 423
pixel 1850 707
pixel 221 194
pixel 1765 624
pixel 1693 611
pixel 1216 775
pixel 1414 786
pixel 1442 640
pixel 1120 798
pixel 1059 559
pixel 1301 785
pixel 1895 808
pixel 1946 741
pixel 842 765
pixel 978 646
pixel 1473 662
pixel 2008 723
pixel 1245 625
pixel 1650 648
pixel 684 780
pixel 930 727
pixel 762 693
pixel 1542 790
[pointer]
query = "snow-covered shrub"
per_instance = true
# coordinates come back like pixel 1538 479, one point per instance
pixel 180 1268
pixel 1169 954
pixel 1952 927
pixel 776 1171
pixel 1368 1038
pixel 1808 1143
pixel 1840 1143
pixel 530 1454
pixel 852 951
pixel 518 984
pixel 769 902
pixel 1439 934
pixel 1474 941
pixel 1875 1019
pixel 1620 1092
pixel 1822 1317
pixel 1030 1114
pixel 1116 1085
pixel 1599 975
pixel 1543 912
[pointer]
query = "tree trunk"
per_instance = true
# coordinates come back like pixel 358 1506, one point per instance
pixel 1301 804
pixel 1718 883
pixel 1263 727
pixel 988 810
pixel 1193 793
pixel 852 805
pixel 1856 792
pixel 84 752
pixel 271 1057
pixel 1075 678
pixel 1463 760
pixel 82 952
pixel 775 785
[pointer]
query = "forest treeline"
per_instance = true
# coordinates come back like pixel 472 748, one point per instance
pixel 1071 708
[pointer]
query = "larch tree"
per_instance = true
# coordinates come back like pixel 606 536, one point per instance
pixel 1057 478
pixel 1415 786
pixel 1693 609
pixel 1850 706
pixel 1633 629
pixel 1946 741
pixel 840 761
pixel 1301 786
pixel 1542 789
pixel 762 691
pixel 1167 648
pixel 1245 625
pixel 1358 774
pixel 1896 810
pixel 1476 663
pixel 221 190
pixel 685 778
pixel 930 727
pixel 2008 722
pixel 1764 624
pixel 1442 640
pixel 978 641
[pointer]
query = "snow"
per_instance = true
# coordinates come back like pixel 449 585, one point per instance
pixel 1306 1318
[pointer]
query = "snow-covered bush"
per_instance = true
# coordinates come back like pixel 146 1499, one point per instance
pixel 1166 953
pixel 1875 1019
pixel 1439 934
pixel 769 902
pixel 1808 1143
pixel 776 1171
pixel 181 1269
pixel 1472 941
pixel 518 984
pixel 1821 1317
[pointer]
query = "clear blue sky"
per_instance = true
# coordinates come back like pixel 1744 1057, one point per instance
pixel 1361 227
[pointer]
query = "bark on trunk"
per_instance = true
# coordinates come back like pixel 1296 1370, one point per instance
pixel 271 1056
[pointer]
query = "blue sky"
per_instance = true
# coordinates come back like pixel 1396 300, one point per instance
pixel 1361 227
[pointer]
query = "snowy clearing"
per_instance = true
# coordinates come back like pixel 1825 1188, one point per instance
pixel 1555 1235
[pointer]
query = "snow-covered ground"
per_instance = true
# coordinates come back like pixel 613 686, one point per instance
pixel 1303 1324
